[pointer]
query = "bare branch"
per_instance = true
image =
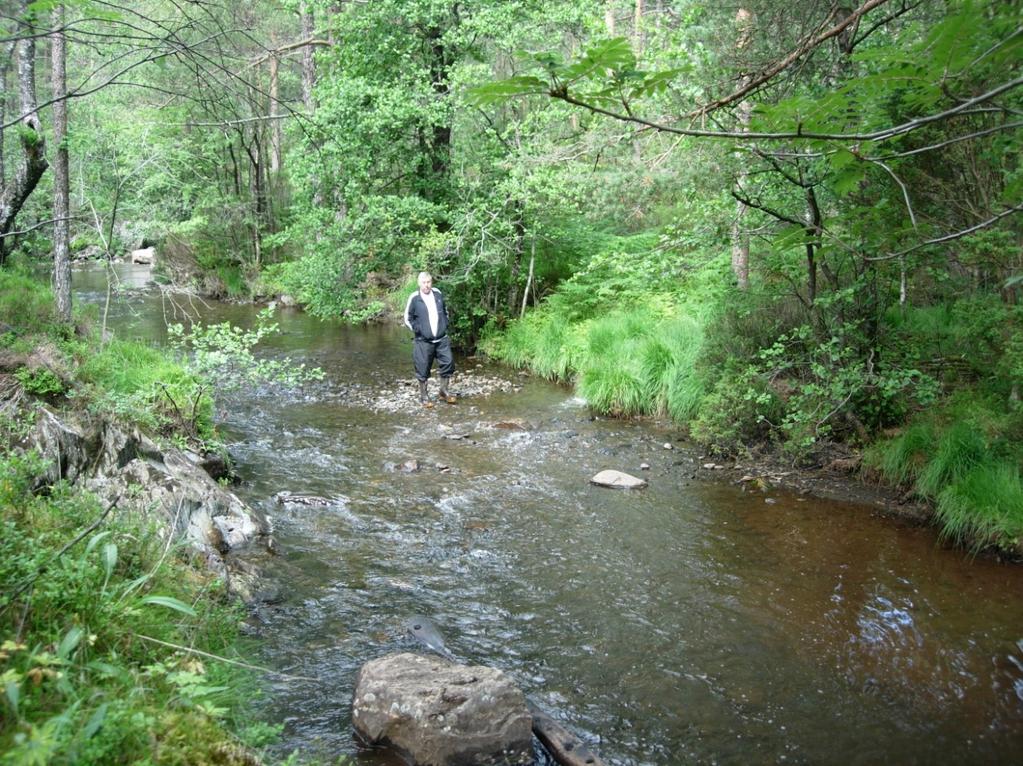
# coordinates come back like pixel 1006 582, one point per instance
pixel 949 142
pixel 289 47
pixel 950 237
pixel 39 225
pixel 879 135
pixel 905 191
pixel 801 50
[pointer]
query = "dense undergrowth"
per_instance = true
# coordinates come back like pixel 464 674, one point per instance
pixel 84 681
pixel 87 591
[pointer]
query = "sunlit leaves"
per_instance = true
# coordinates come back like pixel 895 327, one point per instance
pixel 501 90
pixel 605 73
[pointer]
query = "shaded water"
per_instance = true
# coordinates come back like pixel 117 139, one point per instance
pixel 689 622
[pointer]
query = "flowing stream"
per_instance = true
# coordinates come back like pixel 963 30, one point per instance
pixel 690 622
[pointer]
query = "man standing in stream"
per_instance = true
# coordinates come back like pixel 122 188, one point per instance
pixel 427 317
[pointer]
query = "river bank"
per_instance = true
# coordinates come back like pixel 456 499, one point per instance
pixel 123 562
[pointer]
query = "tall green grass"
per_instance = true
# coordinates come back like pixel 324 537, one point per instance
pixel 965 459
pixel 635 361
pixel 960 449
pixel 26 308
pixel 542 343
pixel 983 507
pixel 147 386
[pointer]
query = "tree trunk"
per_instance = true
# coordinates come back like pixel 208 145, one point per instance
pixel 308 60
pixel 275 123
pixel 61 183
pixel 440 149
pixel 529 278
pixel 609 18
pixel 740 237
pixel 516 265
pixel 5 67
pixel 258 191
pixel 813 231
pixel 235 170
pixel 637 28
pixel 33 162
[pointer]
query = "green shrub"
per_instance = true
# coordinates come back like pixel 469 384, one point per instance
pixel 40 382
pixel 739 409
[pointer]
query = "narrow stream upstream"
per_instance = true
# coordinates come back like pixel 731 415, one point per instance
pixel 686 623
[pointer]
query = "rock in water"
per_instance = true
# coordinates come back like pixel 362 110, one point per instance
pixel 143 256
pixel 617 480
pixel 440 713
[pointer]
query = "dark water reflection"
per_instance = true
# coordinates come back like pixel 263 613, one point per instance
pixel 690 622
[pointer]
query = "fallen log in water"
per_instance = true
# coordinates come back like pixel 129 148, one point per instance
pixel 566 748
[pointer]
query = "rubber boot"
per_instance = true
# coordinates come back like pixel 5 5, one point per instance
pixel 424 395
pixel 445 394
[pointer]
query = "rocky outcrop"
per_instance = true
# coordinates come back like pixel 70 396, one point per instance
pixel 117 462
pixel 439 713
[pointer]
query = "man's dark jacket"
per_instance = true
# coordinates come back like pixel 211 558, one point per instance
pixel 419 318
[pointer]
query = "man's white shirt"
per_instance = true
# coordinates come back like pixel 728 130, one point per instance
pixel 431 308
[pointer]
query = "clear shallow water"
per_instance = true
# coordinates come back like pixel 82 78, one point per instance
pixel 686 623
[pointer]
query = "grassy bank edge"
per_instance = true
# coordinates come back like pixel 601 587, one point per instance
pixel 88 591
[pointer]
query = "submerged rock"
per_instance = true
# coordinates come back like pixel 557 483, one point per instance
pixel 440 713
pixel 617 480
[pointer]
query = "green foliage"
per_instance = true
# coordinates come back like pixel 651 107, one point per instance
pixel 40 382
pixel 26 304
pixel 145 385
pixel 960 449
pixel 984 506
pixel 964 456
pixel 903 458
pixel 740 409
pixel 79 683
pixel 223 354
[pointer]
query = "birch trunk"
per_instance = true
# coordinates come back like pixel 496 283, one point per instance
pixel 740 236
pixel 61 183
pixel 308 62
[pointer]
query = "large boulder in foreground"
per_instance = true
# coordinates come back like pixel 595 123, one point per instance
pixel 617 480
pixel 440 713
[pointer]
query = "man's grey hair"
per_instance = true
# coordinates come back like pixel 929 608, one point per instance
pixel 424 275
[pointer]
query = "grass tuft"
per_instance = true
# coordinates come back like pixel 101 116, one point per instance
pixel 961 448
pixel 984 507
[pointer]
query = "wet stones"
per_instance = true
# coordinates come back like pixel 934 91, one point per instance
pixel 402 396
pixel 299 499
pixel 617 480
pixel 160 481
pixel 438 712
